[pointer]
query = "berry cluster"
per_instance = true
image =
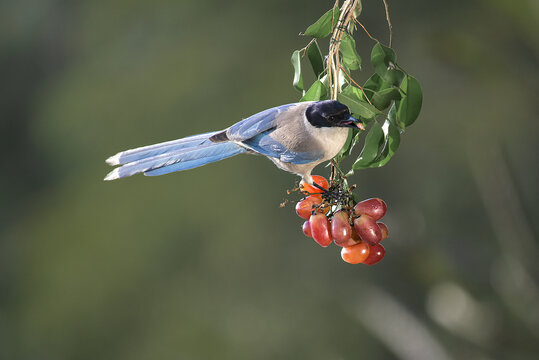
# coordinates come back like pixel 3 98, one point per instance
pixel 353 226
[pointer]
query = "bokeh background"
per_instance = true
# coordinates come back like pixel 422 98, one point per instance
pixel 204 264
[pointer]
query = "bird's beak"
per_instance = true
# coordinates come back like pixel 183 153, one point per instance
pixel 353 123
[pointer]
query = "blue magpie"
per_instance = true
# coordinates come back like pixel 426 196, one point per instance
pixel 296 137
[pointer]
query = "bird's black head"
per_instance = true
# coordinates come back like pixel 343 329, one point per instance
pixel 330 113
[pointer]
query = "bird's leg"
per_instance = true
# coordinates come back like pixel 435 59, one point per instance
pixel 327 193
pixel 320 187
pixel 333 194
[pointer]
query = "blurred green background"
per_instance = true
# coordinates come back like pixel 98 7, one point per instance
pixel 204 264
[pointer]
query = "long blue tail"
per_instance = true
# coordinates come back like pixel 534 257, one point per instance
pixel 167 157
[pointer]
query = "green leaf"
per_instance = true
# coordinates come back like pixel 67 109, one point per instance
pixel 373 140
pixel 381 57
pixel 325 80
pixel 392 117
pixel 383 144
pixel 391 144
pixel 353 92
pixel 346 147
pixel 409 106
pixel 316 92
pixel 374 83
pixel 350 57
pixel 394 76
pixel 384 59
pixel 351 141
pixel 298 77
pixel 382 98
pixel 323 26
pixel 359 108
pixel 316 58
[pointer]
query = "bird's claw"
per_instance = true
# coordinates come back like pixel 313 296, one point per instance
pixel 329 194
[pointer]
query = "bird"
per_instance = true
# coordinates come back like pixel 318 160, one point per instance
pixel 296 137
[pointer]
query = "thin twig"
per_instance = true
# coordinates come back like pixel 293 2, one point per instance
pixel 389 23
pixel 364 29
pixel 335 6
pixel 307 47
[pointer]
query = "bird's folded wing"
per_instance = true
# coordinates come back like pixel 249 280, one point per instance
pixel 255 134
pixel 266 145
pixel 256 124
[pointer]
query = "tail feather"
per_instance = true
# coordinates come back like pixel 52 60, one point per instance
pixel 172 159
pixel 146 152
pixel 220 152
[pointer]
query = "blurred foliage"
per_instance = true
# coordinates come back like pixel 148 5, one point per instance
pixel 204 264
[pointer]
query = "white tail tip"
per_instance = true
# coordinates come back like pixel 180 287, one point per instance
pixel 114 160
pixel 113 175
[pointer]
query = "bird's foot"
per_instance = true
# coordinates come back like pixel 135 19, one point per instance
pixel 333 194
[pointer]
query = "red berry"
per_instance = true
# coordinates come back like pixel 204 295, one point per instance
pixel 304 208
pixel 383 228
pixel 376 208
pixel 347 243
pixel 355 254
pixel 377 253
pixel 340 227
pixel 320 229
pixel 355 236
pixel 368 230
pixel 353 240
pixel 307 229
pixel 313 190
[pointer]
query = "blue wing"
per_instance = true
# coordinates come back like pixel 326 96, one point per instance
pixel 256 124
pixel 255 133
pixel 264 144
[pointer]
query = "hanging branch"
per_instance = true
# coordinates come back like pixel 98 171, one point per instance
pixel 387 103
pixel 389 24
pixel 333 62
